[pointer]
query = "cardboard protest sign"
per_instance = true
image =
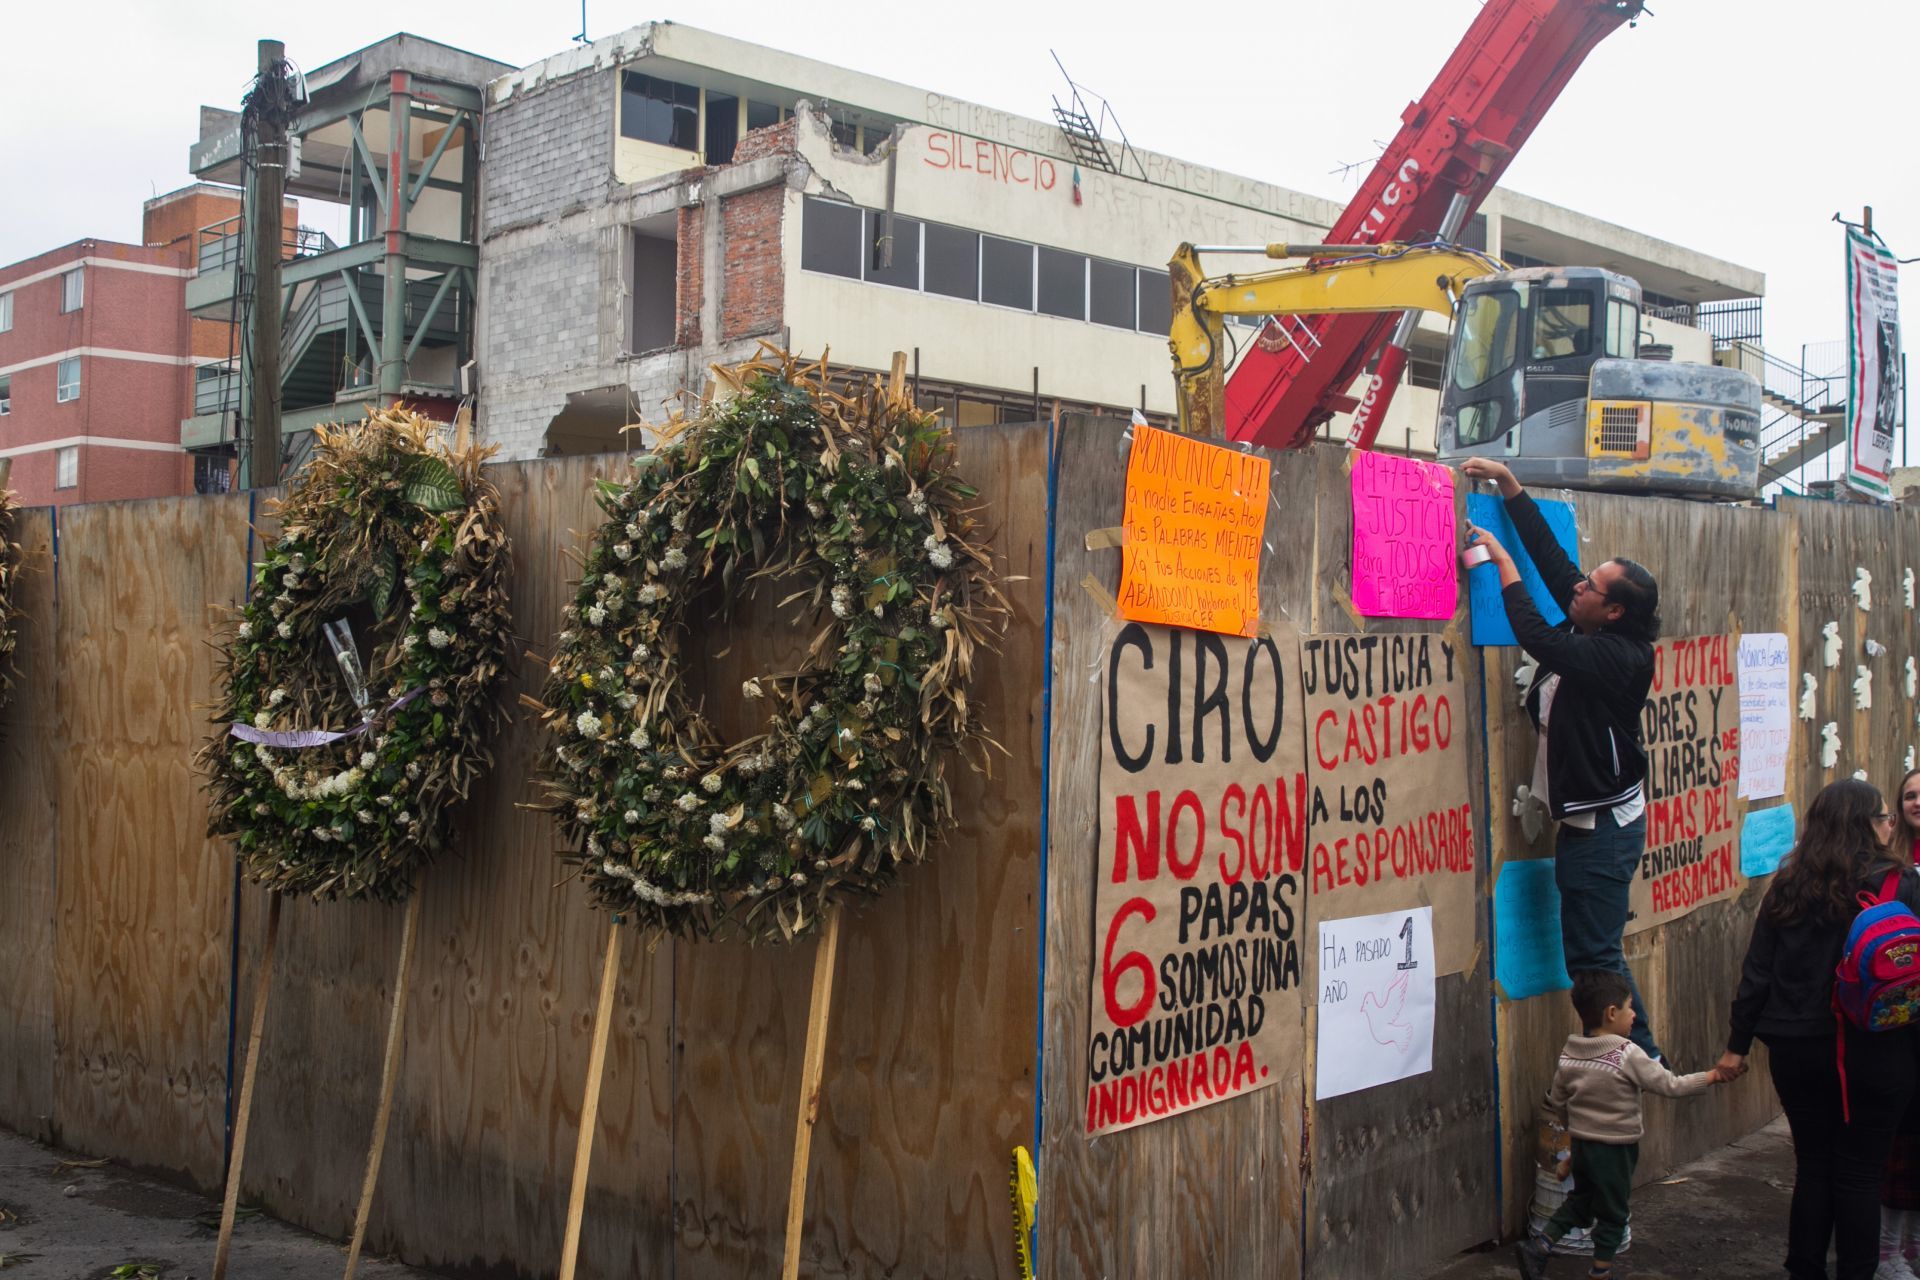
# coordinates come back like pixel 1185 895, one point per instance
pixel 1199 897
pixel 1766 715
pixel 1387 742
pixel 1376 990
pixel 1404 549
pixel 1190 536
pixel 1691 722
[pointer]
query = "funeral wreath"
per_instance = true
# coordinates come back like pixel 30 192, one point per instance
pixel 11 561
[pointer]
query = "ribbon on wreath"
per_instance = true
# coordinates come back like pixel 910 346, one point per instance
pixel 301 739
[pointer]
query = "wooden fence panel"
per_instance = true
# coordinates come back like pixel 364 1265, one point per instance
pixel 143 897
pixel 29 833
pixel 1214 1191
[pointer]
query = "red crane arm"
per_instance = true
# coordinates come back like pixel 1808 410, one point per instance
pixel 1458 138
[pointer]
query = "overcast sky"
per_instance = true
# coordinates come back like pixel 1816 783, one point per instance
pixel 1735 127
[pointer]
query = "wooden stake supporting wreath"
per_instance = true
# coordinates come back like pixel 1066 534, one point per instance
pixel 243 1113
pixel 812 1068
pixel 359 693
pixel 12 560
pixel 590 1106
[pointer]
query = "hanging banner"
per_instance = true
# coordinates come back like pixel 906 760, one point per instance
pixel 1199 899
pixel 1691 722
pixel 1405 553
pixel 1191 531
pixel 1387 742
pixel 1376 991
pixel 1876 366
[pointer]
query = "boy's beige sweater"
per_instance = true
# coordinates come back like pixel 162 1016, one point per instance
pixel 1596 1091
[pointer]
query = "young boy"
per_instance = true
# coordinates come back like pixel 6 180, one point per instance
pixel 1596 1094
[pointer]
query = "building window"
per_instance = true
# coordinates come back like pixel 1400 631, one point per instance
pixel 952 262
pixel 1006 273
pixel 1063 284
pixel 1110 289
pixel 761 115
pixel 6 312
pixel 73 290
pixel 6 394
pixel 1156 302
pixel 656 267
pixel 904 268
pixel 830 238
pixel 68 379
pixel 723 128
pixel 67 467
pixel 660 111
pixel 212 473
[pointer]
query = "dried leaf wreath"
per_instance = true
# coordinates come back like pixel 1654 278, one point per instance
pixel 359 691
pixel 12 561
pixel 850 506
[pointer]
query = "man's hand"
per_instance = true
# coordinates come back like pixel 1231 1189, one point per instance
pixel 1478 537
pixel 1492 469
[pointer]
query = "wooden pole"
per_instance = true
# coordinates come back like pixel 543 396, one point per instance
pixel 270 180
pixel 810 1071
pixel 262 984
pixel 590 1106
pixel 389 1073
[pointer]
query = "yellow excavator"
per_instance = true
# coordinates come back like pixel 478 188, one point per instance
pixel 1543 367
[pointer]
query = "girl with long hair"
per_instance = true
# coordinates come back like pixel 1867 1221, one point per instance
pixel 1786 1001
pixel 1900 1188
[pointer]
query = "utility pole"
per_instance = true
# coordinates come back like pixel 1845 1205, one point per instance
pixel 265 115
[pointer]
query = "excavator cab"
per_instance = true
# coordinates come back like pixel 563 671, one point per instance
pixel 1545 373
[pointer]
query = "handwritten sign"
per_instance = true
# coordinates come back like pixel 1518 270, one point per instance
pixel 1190 541
pixel 1692 732
pixel 1199 895
pixel 1376 1001
pixel 1528 956
pixel 1404 550
pixel 1766 715
pixel 1485 511
pixel 1387 737
pixel 1766 836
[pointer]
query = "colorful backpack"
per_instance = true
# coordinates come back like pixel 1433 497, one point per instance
pixel 1877 984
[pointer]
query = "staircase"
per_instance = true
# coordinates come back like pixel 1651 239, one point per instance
pixel 1804 410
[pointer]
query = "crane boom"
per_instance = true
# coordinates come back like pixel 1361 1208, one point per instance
pixel 1456 140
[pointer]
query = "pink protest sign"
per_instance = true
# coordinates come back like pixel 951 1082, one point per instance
pixel 1404 564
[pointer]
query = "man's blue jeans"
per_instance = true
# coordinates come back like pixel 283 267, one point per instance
pixel 1594 870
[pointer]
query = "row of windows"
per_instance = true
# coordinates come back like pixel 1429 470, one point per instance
pixel 667 113
pixel 66 384
pixel 73 296
pixel 930 257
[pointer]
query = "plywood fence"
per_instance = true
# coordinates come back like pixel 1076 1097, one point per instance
pixel 961 1017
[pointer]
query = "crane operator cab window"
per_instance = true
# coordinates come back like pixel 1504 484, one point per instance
pixel 1484 349
pixel 1563 326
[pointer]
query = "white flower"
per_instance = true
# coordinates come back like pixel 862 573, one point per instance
pixel 633 529
pixel 628 700
pixel 918 501
pixel 815 510
pixel 846 735
pixel 363 815
pixel 631 816
pixel 714 843
pixel 872 682
pixel 818 709
pixel 566 637
pixel 941 557
pixel 711 783
pixel 624 550
pixel 638 739
pixel 411 643
pixel 262 720
pixel 854 784
pixel 679 521
pixel 367 760
pixel 650 795
pixel 385 802
pixel 437 638
pixel 751 688
pixel 246 631
pixel 596 615
pixel 675 559
pixel 687 802
pixel 404 818
pixel 277 697
pixel 587 724
pixel 797 879
pixel 640 653
pixel 647 594
pixel 291 581
pixel 413 770
pixel 939 621
pixel 285 630
pixel 879 611
pixel 867 823
pixel 783 816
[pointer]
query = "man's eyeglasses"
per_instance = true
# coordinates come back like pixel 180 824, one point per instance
pixel 1595 587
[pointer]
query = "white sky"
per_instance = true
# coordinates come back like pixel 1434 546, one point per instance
pixel 1735 127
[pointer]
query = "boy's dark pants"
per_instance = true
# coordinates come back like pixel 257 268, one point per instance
pixel 1602 1186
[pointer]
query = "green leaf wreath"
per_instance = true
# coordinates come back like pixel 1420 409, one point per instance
pixel 396 534
pixel 850 506
pixel 12 560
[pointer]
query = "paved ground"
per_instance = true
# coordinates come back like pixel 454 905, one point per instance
pixel 61 1221
pixel 1722 1216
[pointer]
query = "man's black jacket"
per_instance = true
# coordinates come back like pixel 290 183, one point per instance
pixel 1595 756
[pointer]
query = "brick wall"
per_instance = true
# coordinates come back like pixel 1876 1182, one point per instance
pixel 549 150
pixel 690 278
pixel 753 294
pixel 773 139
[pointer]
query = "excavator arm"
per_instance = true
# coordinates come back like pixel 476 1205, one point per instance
pixel 1335 278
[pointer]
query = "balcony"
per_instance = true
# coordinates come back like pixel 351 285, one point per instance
pixel 218 250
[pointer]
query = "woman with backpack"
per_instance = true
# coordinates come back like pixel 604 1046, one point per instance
pixel 1900 1187
pixel 1844 1089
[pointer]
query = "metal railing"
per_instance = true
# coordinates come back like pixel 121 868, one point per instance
pixel 217 392
pixel 218 245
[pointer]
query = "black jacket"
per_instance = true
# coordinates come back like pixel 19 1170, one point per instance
pixel 1595 755
pixel 1786 981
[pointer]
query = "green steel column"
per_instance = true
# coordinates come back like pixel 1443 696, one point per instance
pixel 393 308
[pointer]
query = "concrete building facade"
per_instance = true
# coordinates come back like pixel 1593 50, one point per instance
pixel 665 199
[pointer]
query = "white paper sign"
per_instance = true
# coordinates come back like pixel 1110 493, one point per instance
pixel 1376 1000
pixel 1766 715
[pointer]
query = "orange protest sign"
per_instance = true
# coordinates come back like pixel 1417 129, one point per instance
pixel 1195 517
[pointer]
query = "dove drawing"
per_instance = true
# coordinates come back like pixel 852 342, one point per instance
pixel 1384 1014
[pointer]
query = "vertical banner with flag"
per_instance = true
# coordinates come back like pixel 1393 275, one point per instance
pixel 1876 394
